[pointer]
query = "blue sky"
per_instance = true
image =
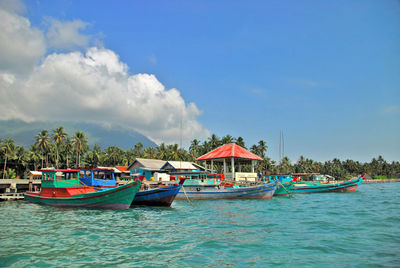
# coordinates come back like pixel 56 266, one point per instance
pixel 326 73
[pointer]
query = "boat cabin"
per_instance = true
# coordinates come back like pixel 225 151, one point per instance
pixel 98 177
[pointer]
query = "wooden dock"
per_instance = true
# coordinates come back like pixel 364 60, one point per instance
pixel 11 196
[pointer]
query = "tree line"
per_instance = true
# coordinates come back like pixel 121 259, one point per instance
pixel 57 149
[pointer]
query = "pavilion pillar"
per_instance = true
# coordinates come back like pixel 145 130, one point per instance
pixel 205 164
pixel 252 166
pixel 212 165
pixel 224 166
pixel 240 167
pixel 233 167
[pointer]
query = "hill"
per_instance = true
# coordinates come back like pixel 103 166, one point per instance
pixel 23 133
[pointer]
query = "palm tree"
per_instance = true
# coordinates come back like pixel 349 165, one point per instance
pixel 254 149
pixel 115 154
pixel 43 141
pixel 240 142
pixel 214 141
pixel 150 152
pixel 67 148
pixel 59 136
pixel 22 156
pixel 138 149
pixel 34 155
pixel 8 149
pixel 162 151
pixel 262 148
pixel 194 149
pixel 80 143
pixel 227 139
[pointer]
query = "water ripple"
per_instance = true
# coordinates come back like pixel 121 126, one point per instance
pixel 321 230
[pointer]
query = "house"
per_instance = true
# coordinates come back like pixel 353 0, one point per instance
pixel 124 171
pixel 146 167
pixel 182 166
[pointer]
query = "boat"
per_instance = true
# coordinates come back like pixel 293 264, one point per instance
pixel 63 188
pixel 150 194
pixel 320 185
pixel 212 186
pixel 285 183
pixel 160 196
pixel 100 178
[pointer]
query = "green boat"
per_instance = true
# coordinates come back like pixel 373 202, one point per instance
pixel 323 184
pixel 285 184
pixel 63 188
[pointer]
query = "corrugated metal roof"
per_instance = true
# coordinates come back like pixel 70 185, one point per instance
pixel 229 150
pixel 181 165
pixel 152 164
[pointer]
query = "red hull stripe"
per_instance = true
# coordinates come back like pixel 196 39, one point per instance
pixel 82 198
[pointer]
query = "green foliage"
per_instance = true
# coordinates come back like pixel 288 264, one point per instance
pixel 58 149
pixel 10 174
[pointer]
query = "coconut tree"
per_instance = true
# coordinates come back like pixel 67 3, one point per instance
pixel 162 151
pixel 114 155
pixel 23 157
pixel 67 149
pixel 59 136
pixel 150 152
pixel 80 145
pixel 214 141
pixel 227 139
pixel 43 141
pixel 35 156
pixel 194 149
pixel 240 142
pixel 262 148
pixel 8 150
pixel 138 149
pixel 254 149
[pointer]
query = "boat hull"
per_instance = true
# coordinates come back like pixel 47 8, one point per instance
pixel 344 187
pixel 162 197
pixel 283 190
pixel 264 191
pixel 117 198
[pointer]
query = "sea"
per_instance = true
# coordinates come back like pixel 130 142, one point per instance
pixel 360 229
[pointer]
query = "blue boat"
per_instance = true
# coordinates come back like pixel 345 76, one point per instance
pixel 211 186
pixel 160 196
pixel 104 178
pixel 99 178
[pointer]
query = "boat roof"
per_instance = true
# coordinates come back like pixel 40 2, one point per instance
pixel 228 151
pixel 59 170
pixel 180 165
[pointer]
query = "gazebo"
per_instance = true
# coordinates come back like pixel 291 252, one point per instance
pixel 232 153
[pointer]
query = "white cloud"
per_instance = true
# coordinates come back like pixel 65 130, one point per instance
pixel 66 35
pixel 390 109
pixel 94 86
pixel 21 46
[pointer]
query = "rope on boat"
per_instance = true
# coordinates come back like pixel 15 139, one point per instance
pixel 187 197
pixel 289 193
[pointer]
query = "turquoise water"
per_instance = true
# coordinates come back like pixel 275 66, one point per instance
pixel 360 229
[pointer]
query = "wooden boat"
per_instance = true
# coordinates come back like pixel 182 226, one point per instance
pixel 322 187
pixel 285 183
pixel 68 191
pixel 160 195
pixel 99 178
pixel 211 187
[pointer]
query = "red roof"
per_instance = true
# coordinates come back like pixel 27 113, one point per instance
pixel 122 168
pixel 229 150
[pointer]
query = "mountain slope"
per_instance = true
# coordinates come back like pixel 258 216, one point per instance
pixel 24 133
